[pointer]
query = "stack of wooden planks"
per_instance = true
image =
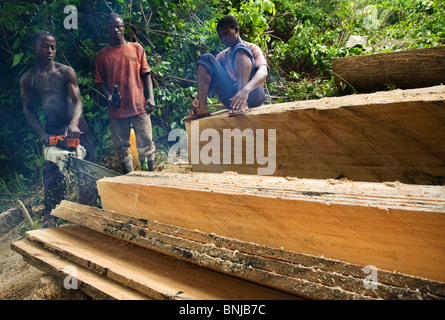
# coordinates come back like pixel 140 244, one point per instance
pixel 109 268
pixel 393 226
pixel 275 237
pixel 136 248
pixel 311 244
pixel 337 198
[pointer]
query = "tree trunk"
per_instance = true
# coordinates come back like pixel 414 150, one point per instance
pixel 405 70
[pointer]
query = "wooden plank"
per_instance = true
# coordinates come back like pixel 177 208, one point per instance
pixel 92 284
pixel 394 227
pixel 406 69
pixel 384 136
pixel 153 274
pixel 277 268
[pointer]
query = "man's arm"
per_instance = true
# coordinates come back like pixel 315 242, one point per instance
pixel 148 88
pixel 104 91
pixel 240 98
pixel 100 80
pixel 243 65
pixel 102 88
pixel 75 103
pixel 27 97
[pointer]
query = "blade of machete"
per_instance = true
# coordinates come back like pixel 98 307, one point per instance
pixel 90 169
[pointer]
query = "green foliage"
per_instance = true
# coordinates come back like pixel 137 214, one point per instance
pixel 308 34
pixel 300 39
pixel 253 17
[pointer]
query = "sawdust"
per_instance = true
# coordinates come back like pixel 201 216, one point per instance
pixel 17 278
pixel 21 281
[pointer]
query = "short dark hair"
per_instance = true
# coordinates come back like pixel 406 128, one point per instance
pixel 39 34
pixel 227 22
pixel 114 15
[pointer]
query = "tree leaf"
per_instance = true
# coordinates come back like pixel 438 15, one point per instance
pixel 17 59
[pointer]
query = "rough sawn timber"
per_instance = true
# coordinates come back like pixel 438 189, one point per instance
pixel 153 274
pixel 92 284
pixel 385 136
pixel 406 69
pixel 304 275
pixel 393 226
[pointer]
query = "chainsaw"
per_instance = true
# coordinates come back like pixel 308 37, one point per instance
pixel 68 153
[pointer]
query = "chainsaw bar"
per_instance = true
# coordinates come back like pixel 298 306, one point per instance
pixel 90 169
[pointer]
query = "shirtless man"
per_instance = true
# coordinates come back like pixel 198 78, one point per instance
pixel 53 86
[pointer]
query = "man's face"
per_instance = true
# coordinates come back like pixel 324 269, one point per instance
pixel 116 28
pixel 45 48
pixel 229 36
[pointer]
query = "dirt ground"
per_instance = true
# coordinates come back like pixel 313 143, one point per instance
pixel 21 281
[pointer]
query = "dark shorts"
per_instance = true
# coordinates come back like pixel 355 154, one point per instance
pixel 221 83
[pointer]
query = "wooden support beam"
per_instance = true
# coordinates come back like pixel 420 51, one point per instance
pixel 94 285
pixel 407 69
pixel 304 275
pixel 392 226
pixel 153 274
pixel 385 136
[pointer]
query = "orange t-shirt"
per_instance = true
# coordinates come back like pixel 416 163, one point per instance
pixel 123 66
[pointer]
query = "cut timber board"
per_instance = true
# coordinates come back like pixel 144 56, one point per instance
pixel 94 285
pixel 304 275
pixel 385 136
pixel 407 69
pixel 392 226
pixel 156 275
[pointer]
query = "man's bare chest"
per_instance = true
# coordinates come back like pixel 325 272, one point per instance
pixel 49 83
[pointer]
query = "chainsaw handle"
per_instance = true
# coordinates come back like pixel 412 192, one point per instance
pixel 53 140
pixel 64 142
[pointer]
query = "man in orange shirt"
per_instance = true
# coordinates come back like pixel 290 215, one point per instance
pixel 236 74
pixel 124 64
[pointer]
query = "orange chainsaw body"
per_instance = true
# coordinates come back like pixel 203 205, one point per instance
pixel 64 142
